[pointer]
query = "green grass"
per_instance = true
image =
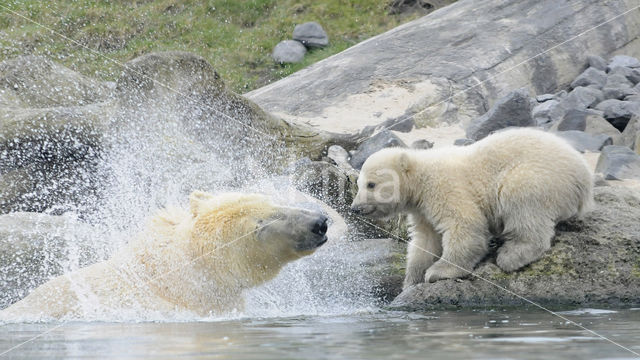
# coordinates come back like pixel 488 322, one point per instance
pixel 237 37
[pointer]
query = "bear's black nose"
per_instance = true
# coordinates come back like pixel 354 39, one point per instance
pixel 320 226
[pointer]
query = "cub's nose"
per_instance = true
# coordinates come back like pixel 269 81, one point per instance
pixel 356 209
pixel 320 226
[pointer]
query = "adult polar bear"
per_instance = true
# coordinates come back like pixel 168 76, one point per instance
pixel 515 184
pixel 198 261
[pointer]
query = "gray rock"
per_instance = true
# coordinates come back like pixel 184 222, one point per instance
pixel 288 51
pixel 583 141
pixel 463 142
pixel 618 163
pixel 547 112
pixel 632 75
pixel 545 97
pixel 631 134
pixel 591 263
pixel 591 76
pixel 37 82
pixel 574 120
pixel 512 110
pixel 382 140
pixel 37 247
pixel 422 144
pixel 623 60
pixel 597 62
pixel 341 157
pixel 619 112
pixel 617 80
pixel 311 34
pixel 633 98
pixel 326 182
pixel 582 97
pixel 619 93
pixel 597 124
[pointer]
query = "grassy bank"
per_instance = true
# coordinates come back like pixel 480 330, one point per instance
pixel 237 37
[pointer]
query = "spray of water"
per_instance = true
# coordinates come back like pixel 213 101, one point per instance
pixel 157 146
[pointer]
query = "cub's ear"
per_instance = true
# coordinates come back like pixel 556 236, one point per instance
pixel 197 200
pixel 405 162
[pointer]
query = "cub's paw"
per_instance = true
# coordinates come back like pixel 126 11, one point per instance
pixel 414 276
pixel 442 270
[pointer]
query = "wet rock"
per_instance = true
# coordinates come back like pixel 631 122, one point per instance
pixel 37 82
pixel 311 34
pixel 288 51
pixel 591 76
pixel 463 142
pixel 383 139
pixel 422 144
pixel 597 62
pixel 618 163
pixel 341 157
pixel 583 141
pixel 31 246
pixel 325 181
pixel 619 112
pixel 623 60
pixel 592 262
pixel 512 110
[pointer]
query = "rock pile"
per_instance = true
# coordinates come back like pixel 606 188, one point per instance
pixel 309 35
pixel 601 112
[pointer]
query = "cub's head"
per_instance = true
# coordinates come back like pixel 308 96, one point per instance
pixel 381 190
pixel 248 237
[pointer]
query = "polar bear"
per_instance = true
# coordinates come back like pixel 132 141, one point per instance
pixel 515 185
pixel 198 261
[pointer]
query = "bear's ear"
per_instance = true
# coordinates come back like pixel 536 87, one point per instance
pixel 197 199
pixel 405 162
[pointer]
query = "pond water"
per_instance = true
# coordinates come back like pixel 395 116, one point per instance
pixel 367 334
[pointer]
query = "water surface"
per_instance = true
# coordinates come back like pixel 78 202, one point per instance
pixel 377 334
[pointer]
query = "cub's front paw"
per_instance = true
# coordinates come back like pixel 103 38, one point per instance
pixel 414 276
pixel 443 270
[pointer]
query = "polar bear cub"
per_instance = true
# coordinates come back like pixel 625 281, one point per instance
pixel 515 184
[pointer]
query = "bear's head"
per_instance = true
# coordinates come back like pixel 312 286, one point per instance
pixel 249 238
pixel 381 193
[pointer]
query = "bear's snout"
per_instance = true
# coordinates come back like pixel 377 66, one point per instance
pixel 320 226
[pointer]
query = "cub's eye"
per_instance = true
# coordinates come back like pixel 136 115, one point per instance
pixel 371 185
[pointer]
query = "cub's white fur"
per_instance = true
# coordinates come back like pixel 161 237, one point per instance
pixel 515 184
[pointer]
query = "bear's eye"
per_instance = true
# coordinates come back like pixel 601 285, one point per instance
pixel 371 185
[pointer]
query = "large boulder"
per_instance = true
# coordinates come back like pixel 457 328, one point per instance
pixel 439 71
pixel 37 82
pixel 512 110
pixel 593 262
pixel 61 149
